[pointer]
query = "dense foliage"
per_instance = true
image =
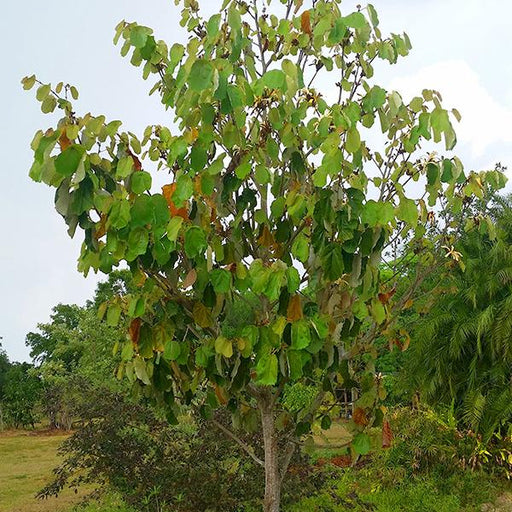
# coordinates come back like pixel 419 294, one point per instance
pixel 461 357
pixel 128 448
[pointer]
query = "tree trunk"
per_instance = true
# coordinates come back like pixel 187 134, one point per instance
pixel 272 498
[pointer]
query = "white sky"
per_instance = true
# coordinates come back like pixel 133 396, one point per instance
pixel 460 47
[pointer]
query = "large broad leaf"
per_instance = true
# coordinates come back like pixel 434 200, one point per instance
pixel 301 335
pixel 69 160
pixel 408 211
pixel 377 213
pixel 332 260
pixel 173 228
pixel 266 370
pixel 172 350
pixel 201 75
pixel 221 280
pixel 195 242
pixel 274 79
pixel 141 181
pixel 361 443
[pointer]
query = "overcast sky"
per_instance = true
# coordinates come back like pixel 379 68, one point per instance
pixel 460 47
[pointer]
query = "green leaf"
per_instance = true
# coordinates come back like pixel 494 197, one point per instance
pixel 176 54
pixel 407 211
pixel 361 443
pixel 274 79
pixel 275 280
pixel 141 211
pixel 301 335
pixel 292 279
pixel 184 190
pixel 353 140
pixel 221 280
pixel 124 167
pixel 212 27
pixel 377 213
pixel 375 98
pixel 300 249
pixel 68 161
pixel 138 241
pixel 372 13
pixel 332 261
pixel 259 275
pixel 295 364
pixel 201 75
pixel 172 350
pixel 139 35
pixel 266 370
pixel 119 215
pixel 378 311
pixel 141 181
pixel 243 170
pixel 173 228
pixel 28 82
pixel 224 346
pixel 355 20
pixel 195 242
pixel 139 365
pixel 113 315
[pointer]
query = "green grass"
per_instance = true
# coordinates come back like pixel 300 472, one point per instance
pixel 26 462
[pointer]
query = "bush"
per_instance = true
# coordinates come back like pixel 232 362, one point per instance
pixel 127 448
pixel 429 441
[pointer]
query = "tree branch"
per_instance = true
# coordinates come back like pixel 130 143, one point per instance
pixel 248 449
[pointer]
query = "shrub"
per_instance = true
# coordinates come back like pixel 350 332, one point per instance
pixel 127 448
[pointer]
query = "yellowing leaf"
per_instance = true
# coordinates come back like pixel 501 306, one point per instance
pixel 294 311
pixel 224 346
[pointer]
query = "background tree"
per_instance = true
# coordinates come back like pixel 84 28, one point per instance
pixel 462 351
pixel 73 353
pixel 21 393
pixel 4 368
pixel 273 199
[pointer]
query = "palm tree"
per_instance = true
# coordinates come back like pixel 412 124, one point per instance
pixel 461 355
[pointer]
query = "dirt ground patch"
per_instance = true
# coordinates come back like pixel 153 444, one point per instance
pixel 502 504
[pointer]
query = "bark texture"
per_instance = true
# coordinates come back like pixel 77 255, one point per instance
pixel 272 498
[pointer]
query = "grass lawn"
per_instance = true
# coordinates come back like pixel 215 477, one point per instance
pixel 26 461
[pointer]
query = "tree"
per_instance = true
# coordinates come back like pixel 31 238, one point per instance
pixel 462 353
pixel 21 394
pixel 274 200
pixel 4 368
pixel 75 349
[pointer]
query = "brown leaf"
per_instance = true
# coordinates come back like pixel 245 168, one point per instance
pixel 136 162
pixel 168 191
pixel 64 142
pixel 101 229
pixel 221 394
pixel 305 22
pixel 387 435
pixel 266 239
pixel 359 417
pixel 190 279
pixel 385 297
pixel 294 311
pixel 134 330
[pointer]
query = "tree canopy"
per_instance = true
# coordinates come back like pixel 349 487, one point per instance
pixel 274 199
